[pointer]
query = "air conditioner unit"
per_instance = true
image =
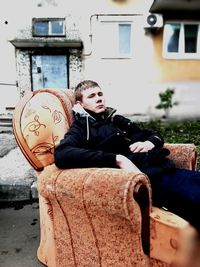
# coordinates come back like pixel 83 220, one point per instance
pixel 153 21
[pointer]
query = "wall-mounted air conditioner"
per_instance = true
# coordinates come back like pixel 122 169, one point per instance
pixel 153 20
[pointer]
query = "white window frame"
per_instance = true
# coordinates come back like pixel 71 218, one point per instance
pixel 102 46
pixel 181 47
pixel 49 21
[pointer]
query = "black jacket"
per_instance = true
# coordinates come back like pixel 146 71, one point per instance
pixel 93 141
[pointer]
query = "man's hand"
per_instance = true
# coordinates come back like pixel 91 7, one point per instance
pixel 124 163
pixel 141 146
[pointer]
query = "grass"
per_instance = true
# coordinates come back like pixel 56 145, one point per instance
pixel 186 131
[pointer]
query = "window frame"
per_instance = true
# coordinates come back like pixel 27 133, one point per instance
pixel 49 21
pixel 181 54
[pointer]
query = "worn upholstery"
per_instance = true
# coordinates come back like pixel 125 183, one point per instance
pixel 95 220
pixel 183 155
pixel 39 121
pixel 94 216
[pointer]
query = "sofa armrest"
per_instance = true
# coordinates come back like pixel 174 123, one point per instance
pixel 96 209
pixel 183 155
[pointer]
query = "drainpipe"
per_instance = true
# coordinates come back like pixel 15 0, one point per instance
pixel 103 15
pixel 9 84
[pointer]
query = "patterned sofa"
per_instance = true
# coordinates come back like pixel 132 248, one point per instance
pixel 93 217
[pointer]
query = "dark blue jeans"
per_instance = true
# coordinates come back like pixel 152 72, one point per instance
pixel 179 192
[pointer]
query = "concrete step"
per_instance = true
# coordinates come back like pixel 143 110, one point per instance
pixel 10 109
pixel 6 121
pixel 18 180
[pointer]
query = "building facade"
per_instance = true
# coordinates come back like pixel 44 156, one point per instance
pixel 134 49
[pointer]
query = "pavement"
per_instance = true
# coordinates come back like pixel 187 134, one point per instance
pixel 18 181
pixel 19 235
pixel 19 208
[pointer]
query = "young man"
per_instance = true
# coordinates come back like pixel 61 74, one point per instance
pixel 99 138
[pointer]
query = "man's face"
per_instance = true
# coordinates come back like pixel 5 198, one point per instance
pixel 93 99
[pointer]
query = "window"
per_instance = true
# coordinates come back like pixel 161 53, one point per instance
pixel 124 32
pixel 48 27
pixel 181 41
pixel 114 38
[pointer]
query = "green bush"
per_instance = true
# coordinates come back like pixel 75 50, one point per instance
pixel 166 102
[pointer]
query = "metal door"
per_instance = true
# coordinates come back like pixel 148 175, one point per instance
pixel 49 71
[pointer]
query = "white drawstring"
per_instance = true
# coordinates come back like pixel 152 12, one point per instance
pixel 88 130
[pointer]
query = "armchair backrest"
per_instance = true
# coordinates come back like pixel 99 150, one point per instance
pixel 39 122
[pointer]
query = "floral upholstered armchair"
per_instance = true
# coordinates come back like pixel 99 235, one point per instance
pixel 93 217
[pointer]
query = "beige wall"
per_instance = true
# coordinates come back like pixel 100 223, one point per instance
pixel 174 70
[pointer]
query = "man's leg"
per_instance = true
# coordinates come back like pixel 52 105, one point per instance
pixel 179 192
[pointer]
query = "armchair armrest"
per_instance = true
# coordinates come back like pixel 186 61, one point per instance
pixel 183 155
pixel 165 236
pixel 95 216
pixel 166 228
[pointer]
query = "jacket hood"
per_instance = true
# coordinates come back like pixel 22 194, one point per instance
pixel 78 109
pixel 80 112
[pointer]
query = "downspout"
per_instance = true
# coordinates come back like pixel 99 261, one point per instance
pixel 103 15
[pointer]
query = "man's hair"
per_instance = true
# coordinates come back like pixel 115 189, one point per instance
pixel 83 86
